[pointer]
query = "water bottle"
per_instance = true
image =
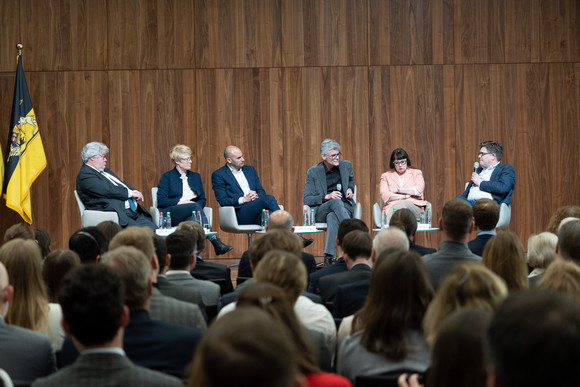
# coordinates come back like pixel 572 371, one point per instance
pixel 161 220
pixel 384 223
pixel 429 216
pixel 168 219
pixel 312 218
pixel 198 218
pixel 422 219
pixel 263 220
pixel 306 217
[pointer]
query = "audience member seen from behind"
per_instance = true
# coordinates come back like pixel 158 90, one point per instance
pixel 533 341
pixel 263 356
pixel 109 230
pixel 562 277
pixel 89 243
pixel 541 254
pixel 43 240
pixel 272 299
pixel 406 221
pixel 94 315
pixel 559 215
pixel 485 218
pixel 568 247
pixel 19 230
pixel 403 187
pixel 30 307
pixel 56 265
pixel 458 358
pixel 505 256
pixel 469 284
pixel 386 333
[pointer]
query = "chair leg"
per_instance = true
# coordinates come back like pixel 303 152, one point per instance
pixel 249 240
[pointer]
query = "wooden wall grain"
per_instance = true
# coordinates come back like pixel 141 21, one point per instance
pixel 277 77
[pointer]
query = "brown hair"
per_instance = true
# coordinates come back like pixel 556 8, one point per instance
pixel 197 233
pixel 562 277
pixel 505 256
pixel 139 237
pixel 19 230
pixel 457 217
pixel 285 270
pixel 561 213
pixel 56 265
pixel 274 239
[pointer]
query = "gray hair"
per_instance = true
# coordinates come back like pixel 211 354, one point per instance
pixel 328 145
pixel 93 149
pixel 542 249
pixel 393 237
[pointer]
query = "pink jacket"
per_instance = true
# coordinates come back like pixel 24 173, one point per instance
pixel 413 178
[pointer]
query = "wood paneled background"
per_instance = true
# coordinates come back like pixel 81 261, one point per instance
pixel 276 77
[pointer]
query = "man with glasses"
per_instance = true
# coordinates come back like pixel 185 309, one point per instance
pixel 100 189
pixel 329 190
pixel 492 179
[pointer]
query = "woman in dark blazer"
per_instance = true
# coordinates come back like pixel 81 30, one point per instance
pixel 180 192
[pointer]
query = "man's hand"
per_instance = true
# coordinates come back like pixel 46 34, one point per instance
pixel 252 195
pixel 137 195
pixel 333 195
pixel 349 193
pixel 476 179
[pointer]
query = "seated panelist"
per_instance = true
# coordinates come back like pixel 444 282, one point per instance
pixel 403 187
pixel 180 191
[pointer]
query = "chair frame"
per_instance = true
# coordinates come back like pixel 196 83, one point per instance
pixel 154 210
pixel 94 217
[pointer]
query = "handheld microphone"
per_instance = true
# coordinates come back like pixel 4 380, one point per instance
pixel 475 166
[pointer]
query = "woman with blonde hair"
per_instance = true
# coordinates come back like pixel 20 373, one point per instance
pixel 504 255
pixel 469 284
pixel 29 307
pixel 562 277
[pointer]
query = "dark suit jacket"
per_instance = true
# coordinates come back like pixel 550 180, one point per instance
pixel 500 185
pixel 156 345
pixel 422 250
pixel 244 269
pixel 338 267
pixel 329 283
pixel 108 369
pixel 349 298
pixel 228 191
pixel 98 193
pixel 215 272
pixel 478 244
pixel 170 188
pixel 315 187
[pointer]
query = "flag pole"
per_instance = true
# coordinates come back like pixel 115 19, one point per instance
pixel 19 47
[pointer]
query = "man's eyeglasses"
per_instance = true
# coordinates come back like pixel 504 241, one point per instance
pixel 484 153
pixel 335 156
pixel 400 162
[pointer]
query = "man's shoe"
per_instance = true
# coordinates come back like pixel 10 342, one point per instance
pixel 328 260
pixel 306 242
pixel 220 247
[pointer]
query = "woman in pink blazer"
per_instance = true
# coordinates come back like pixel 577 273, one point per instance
pixel 403 186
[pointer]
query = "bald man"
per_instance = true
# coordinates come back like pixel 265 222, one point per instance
pixel 238 185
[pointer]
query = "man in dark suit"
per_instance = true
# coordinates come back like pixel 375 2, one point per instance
pixel 329 189
pixel 357 248
pixel 238 185
pixel 491 180
pixel 149 343
pixel 94 315
pixel 485 217
pixel 100 189
pixel 24 354
pixel 406 221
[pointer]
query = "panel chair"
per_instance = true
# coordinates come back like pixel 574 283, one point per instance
pixel 356 214
pixel 154 210
pixel 229 223
pixel 94 217
pixel 378 209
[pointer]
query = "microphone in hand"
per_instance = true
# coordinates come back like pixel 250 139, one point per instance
pixel 475 166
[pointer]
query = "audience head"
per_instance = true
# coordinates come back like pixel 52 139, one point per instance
pixel 19 230
pixel 43 240
pixel 93 150
pixel 504 255
pixel 139 237
pixel 457 219
pixel 179 151
pixel 6 290
pixel 134 269
pixel 399 154
pixel 568 247
pixel 273 300
pixel 458 357
pixel 263 356
pixel 56 265
pixel 92 301
pixel 391 238
pixel 23 262
pixel 562 277
pixel 468 284
pixel 349 225
pixel 109 229
pixel 560 214
pixel 542 249
pixel 486 214
pixel 538 330
pixel 161 252
pixel 280 220
pixel 274 240
pixel 89 243
pixel 399 294
pixel 405 220
pixel 284 269
pixel 197 233
pixel 357 244
pixel 181 248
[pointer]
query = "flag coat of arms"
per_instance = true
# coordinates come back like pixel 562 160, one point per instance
pixel 25 158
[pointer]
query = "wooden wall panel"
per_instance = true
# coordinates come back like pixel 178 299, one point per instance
pixel 237 33
pixel 10 35
pixel 559 30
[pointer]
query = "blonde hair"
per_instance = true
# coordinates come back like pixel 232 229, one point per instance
pixel 562 277
pixel 505 256
pixel 29 307
pixel 469 284
pixel 178 150
pixel 284 269
pixel 542 249
pixel 138 237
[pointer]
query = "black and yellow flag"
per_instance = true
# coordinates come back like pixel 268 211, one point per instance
pixel 25 157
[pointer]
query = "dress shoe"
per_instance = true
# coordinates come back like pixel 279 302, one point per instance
pixel 328 260
pixel 305 242
pixel 220 247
